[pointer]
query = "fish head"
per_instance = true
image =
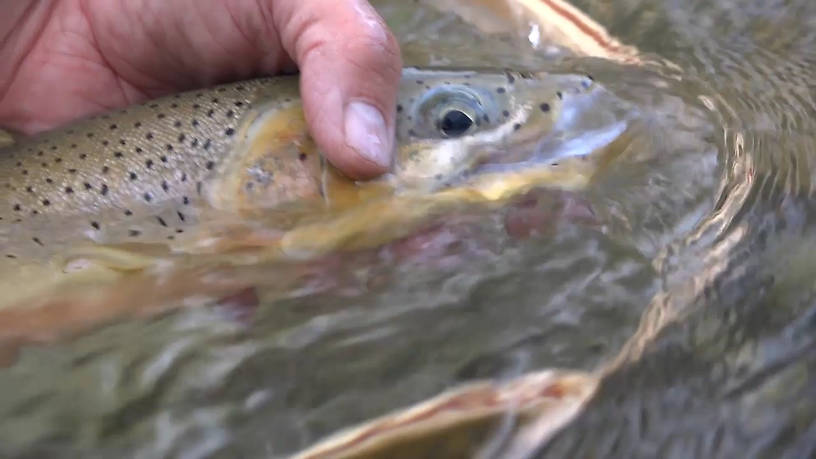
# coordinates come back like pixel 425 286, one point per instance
pixel 451 122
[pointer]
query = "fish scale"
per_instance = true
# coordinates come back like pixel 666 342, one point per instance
pixel 149 173
pixel 135 174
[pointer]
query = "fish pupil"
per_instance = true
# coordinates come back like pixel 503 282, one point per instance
pixel 455 123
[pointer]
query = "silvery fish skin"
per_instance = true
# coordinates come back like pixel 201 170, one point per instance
pixel 144 174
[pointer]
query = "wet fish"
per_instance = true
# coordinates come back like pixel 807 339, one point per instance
pixel 152 174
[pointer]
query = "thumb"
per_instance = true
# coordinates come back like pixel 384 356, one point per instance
pixel 350 68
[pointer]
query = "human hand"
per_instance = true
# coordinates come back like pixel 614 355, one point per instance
pixel 65 59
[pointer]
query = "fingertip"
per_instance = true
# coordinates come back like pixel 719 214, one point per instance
pixel 350 69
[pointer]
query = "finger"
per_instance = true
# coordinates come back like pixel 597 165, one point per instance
pixel 350 68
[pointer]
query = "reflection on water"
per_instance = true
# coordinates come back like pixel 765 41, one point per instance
pixel 683 272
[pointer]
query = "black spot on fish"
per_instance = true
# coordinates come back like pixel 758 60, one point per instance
pixel 229 132
pixel 168 147
pixel 11 256
pixel 87 185
pixel 181 137
pixel 138 150
pixel 510 78
pixel 37 241
pixel 161 116
pixel 137 124
pixel 185 200
pixel 128 212
pixel 154 105
pixel 83 156
pixel 45 165
pixel 29 189
pixel 215 100
pixel 17 207
pixel 89 135
pixel 73 146
pixel 113 127
pixel 165 186
pixel 69 190
pixel 25 172
pixel 486 118
pixel 174 105
pixel 57 160
pixel 516 127
pixel 118 154
pixel 40 153
pixel 103 190
pixel 179 230
pixel 194 122
pixel 545 107
pixel 46 202
pixel 420 82
pixel 196 106
pixel 72 171
pixel 149 163
pixel 210 165
pixel 230 113
pixel 180 216
pixel 163 158
pixel 161 222
pixel 210 113
pixel 49 181
pixel 206 145
pixel 399 108
pixel 95 225
pixel 302 156
pixel 122 142
pixel 560 95
pixel 506 114
pixel 134 233
pixel 500 90
pixel 177 124
pixel 147 197
pixel 133 176
pixel 411 133
pixel 239 104
pixel 183 176
pixel 105 169
pixel 149 136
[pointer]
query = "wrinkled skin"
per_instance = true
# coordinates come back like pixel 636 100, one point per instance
pixel 64 60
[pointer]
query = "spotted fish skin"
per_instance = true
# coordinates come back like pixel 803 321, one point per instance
pixel 146 173
pixel 141 167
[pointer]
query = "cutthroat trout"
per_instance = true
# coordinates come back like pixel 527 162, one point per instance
pixel 182 172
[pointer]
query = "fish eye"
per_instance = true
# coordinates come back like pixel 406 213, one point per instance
pixel 454 123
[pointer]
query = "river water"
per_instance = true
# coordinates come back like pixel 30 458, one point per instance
pixel 686 270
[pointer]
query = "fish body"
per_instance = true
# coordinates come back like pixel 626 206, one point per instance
pixel 184 172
